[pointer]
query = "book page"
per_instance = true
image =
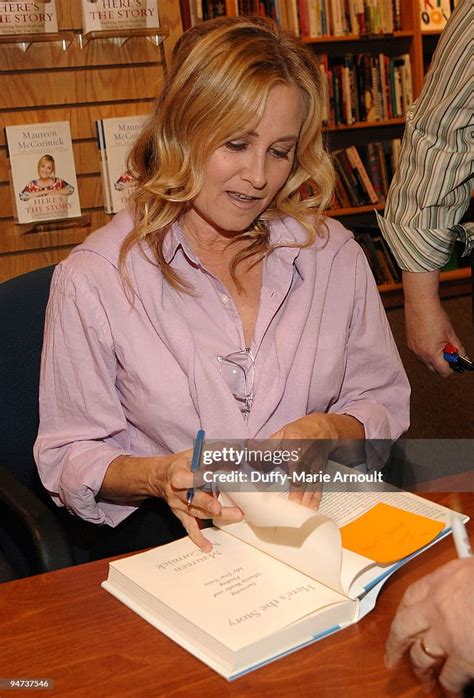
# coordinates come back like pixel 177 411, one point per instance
pixel 310 541
pixel 235 594
pixel 344 507
pixel 298 536
pixel 359 571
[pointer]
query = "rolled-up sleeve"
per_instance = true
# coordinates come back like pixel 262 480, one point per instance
pixel 375 389
pixel 82 424
pixel 432 186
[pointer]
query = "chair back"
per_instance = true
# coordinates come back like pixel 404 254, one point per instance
pixel 32 537
pixel 22 310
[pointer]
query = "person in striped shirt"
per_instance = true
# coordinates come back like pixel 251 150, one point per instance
pixel 432 188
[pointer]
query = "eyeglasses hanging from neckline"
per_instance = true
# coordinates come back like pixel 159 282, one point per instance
pixel 238 371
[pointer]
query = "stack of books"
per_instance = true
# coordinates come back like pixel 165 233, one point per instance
pixel 382 262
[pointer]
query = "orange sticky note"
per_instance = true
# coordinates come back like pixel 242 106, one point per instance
pixel 387 534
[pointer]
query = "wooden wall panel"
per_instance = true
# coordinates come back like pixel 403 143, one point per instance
pixel 96 53
pixel 89 85
pixel 11 242
pixel 44 84
pixel 20 263
pixel 20 254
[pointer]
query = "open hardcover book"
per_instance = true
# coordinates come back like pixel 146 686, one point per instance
pixel 282 579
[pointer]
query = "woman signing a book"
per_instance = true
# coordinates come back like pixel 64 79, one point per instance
pixel 221 300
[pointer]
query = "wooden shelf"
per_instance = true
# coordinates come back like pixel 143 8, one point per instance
pixel 399 121
pixel 456 282
pixel 329 38
pixel 338 212
pixel 24 41
pixel 121 36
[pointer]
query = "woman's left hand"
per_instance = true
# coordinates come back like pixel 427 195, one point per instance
pixel 315 436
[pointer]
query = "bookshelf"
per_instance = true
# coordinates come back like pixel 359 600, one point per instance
pixel 408 39
pixel 420 46
pixel 49 82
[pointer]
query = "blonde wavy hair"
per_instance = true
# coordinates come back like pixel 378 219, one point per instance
pixel 221 74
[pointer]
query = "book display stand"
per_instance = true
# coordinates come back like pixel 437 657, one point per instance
pixel 120 38
pixel 62 39
pixel 101 75
pixel 83 221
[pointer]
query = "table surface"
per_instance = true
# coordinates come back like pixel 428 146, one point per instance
pixel 64 627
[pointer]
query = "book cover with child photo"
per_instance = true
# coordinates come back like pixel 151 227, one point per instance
pixel 42 172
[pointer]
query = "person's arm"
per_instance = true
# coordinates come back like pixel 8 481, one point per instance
pixel 82 424
pixel 375 390
pixel 428 326
pixel 27 192
pixel 373 402
pixel 64 188
pixel 434 622
pixel 133 479
pixel 432 188
pixel 83 447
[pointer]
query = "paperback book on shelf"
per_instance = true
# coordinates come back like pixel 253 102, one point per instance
pixel 115 138
pixel 38 17
pixel 282 579
pixel 42 172
pixel 103 15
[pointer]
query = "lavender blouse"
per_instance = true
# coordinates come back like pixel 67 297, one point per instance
pixel 140 377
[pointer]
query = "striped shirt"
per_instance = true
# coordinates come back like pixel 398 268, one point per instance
pixel 432 187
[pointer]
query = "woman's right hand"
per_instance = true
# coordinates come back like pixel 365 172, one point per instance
pixel 133 479
pixel 174 479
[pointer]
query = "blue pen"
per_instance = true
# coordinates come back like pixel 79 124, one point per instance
pixel 195 463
